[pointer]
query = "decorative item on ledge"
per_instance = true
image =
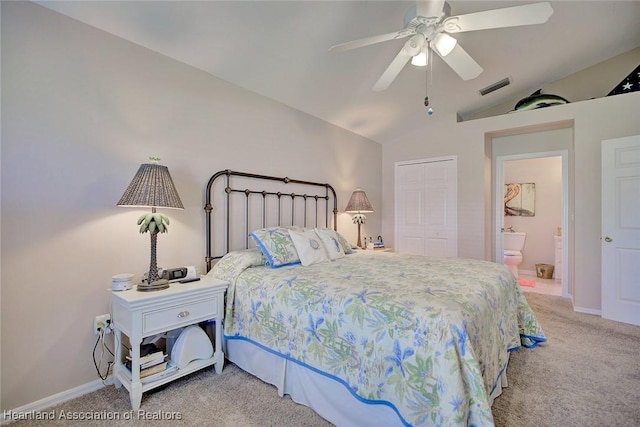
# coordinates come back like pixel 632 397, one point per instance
pixel 153 187
pixel 359 204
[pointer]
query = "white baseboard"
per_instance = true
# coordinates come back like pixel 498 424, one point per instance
pixel 34 409
pixel 587 311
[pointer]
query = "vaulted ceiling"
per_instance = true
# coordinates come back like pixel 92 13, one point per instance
pixel 279 49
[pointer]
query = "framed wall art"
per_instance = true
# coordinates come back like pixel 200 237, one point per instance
pixel 519 199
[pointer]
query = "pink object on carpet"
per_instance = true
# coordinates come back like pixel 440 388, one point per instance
pixel 525 282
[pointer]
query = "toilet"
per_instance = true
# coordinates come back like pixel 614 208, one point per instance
pixel 512 244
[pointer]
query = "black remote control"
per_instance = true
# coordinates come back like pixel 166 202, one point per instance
pixel 189 280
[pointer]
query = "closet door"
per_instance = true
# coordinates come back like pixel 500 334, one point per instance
pixel 426 207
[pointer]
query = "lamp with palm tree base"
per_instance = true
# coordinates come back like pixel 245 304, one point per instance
pixel 359 205
pixel 153 187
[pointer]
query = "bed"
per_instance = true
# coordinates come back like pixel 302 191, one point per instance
pixel 363 337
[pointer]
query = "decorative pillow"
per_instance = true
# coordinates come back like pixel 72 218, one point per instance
pixel 346 246
pixel 331 244
pixel 235 262
pixel 309 247
pixel 276 246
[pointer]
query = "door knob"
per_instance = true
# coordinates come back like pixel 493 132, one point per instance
pixel 608 239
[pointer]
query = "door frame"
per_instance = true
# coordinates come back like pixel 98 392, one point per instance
pixel 396 165
pixel 499 206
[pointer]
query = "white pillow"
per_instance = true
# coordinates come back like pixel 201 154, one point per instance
pixel 331 243
pixel 309 247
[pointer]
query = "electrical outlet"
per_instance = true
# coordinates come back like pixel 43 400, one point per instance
pixel 102 322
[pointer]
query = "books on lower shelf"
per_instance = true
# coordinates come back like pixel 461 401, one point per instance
pixel 149 360
pixel 153 369
pixel 148 363
pixel 169 369
pixel 149 355
pixel 154 364
pixel 155 372
pixel 149 367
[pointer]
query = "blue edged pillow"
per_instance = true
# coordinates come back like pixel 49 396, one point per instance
pixel 276 246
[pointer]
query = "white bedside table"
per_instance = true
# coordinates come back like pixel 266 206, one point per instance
pixel 141 314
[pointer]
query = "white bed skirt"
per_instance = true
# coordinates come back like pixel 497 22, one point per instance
pixel 328 397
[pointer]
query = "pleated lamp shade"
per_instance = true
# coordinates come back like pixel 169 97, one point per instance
pixel 152 186
pixel 359 203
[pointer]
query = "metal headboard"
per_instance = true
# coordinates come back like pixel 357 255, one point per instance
pixel 315 200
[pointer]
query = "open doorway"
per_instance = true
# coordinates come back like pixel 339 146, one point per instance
pixel 542 219
pixel 528 144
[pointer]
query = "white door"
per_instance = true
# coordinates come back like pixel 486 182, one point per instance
pixel 621 229
pixel 426 207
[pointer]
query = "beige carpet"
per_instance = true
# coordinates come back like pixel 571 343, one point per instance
pixel 588 374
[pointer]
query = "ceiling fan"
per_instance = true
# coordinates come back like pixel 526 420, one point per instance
pixel 429 24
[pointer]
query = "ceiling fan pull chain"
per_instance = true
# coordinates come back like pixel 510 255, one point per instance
pixel 428 82
pixel 426 89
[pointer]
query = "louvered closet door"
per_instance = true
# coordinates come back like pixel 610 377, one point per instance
pixel 426 207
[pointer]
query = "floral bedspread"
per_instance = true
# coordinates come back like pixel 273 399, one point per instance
pixel 430 337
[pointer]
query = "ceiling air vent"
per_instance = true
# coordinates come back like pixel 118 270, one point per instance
pixel 497 85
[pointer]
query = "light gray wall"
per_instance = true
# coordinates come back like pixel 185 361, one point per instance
pixel 81 110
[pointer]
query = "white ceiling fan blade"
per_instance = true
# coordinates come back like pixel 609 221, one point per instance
pixel 462 63
pixel 392 71
pixel 371 40
pixel 411 47
pixel 428 8
pixel 537 13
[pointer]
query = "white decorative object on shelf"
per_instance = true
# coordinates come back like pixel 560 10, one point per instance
pixel 192 344
pixel 121 282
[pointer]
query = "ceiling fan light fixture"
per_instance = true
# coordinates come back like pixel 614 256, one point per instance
pixel 444 44
pixel 429 22
pixel 421 59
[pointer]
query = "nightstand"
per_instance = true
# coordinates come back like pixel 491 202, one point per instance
pixel 141 314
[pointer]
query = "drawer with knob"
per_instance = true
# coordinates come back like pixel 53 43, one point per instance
pixel 179 315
